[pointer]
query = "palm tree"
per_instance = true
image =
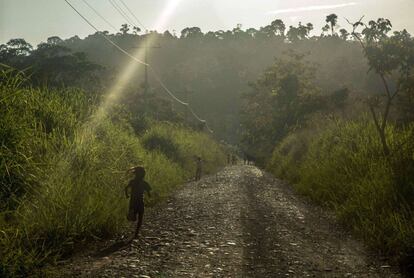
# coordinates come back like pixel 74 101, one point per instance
pixel 332 19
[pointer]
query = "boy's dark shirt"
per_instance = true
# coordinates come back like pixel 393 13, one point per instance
pixel 138 187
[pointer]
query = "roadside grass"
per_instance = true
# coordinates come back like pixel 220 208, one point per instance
pixel 182 146
pixel 62 179
pixel 341 166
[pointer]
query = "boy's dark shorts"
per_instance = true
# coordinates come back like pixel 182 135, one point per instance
pixel 133 211
pixel 139 208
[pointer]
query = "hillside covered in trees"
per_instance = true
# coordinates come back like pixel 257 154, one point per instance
pixel 210 70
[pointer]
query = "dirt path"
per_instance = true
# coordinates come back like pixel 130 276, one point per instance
pixel 238 223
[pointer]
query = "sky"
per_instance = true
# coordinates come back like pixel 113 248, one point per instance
pixel 36 20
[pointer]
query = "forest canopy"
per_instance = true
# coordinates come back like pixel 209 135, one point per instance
pixel 211 70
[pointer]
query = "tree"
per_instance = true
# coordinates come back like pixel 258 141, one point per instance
pixel 376 30
pixel 280 100
pixel 238 33
pixel 275 29
pixel 265 32
pixel 136 30
pixel 55 40
pixel 344 34
pixel 46 50
pixel 332 19
pixel 293 34
pixel 3 52
pixel 392 59
pixel 325 30
pixel 15 52
pixel 168 35
pixel 51 63
pixel 73 40
pixel 220 34
pixel 251 32
pixel 304 30
pixel 210 35
pixel 18 47
pixel 191 33
pixel 124 29
pixel 278 28
pixel 299 33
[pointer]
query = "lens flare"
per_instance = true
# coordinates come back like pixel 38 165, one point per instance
pixel 166 14
pixel 117 90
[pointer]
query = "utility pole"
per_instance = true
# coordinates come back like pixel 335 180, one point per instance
pixel 146 84
pixel 146 47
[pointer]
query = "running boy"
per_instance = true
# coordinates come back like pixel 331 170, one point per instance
pixel 136 202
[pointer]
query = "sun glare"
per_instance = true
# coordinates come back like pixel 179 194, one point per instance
pixel 118 88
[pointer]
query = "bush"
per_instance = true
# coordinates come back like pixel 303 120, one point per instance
pixel 342 167
pixel 155 141
pixel 186 144
pixel 288 155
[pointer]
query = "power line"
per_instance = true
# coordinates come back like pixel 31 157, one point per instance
pixel 98 14
pixel 104 36
pixel 133 14
pixel 121 12
pixel 167 90
pixel 146 64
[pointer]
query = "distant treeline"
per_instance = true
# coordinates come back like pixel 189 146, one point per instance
pixel 211 70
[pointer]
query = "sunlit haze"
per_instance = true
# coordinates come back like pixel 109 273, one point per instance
pixel 128 71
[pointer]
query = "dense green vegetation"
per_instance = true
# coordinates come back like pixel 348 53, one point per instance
pixel 349 150
pixel 63 173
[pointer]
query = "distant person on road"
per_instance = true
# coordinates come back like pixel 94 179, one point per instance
pixel 234 159
pixel 248 159
pixel 199 168
pixel 137 187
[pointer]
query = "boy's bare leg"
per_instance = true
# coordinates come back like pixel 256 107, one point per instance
pixel 139 224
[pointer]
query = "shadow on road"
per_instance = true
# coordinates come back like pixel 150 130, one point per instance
pixel 117 246
pixel 261 241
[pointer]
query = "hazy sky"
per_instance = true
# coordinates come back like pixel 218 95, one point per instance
pixel 36 20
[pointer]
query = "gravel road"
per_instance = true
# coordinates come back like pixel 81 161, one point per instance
pixel 241 222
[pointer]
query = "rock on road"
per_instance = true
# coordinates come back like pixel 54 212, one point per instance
pixel 241 222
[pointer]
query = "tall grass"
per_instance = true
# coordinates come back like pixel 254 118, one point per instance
pixel 342 167
pixel 182 145
pixel 62 184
